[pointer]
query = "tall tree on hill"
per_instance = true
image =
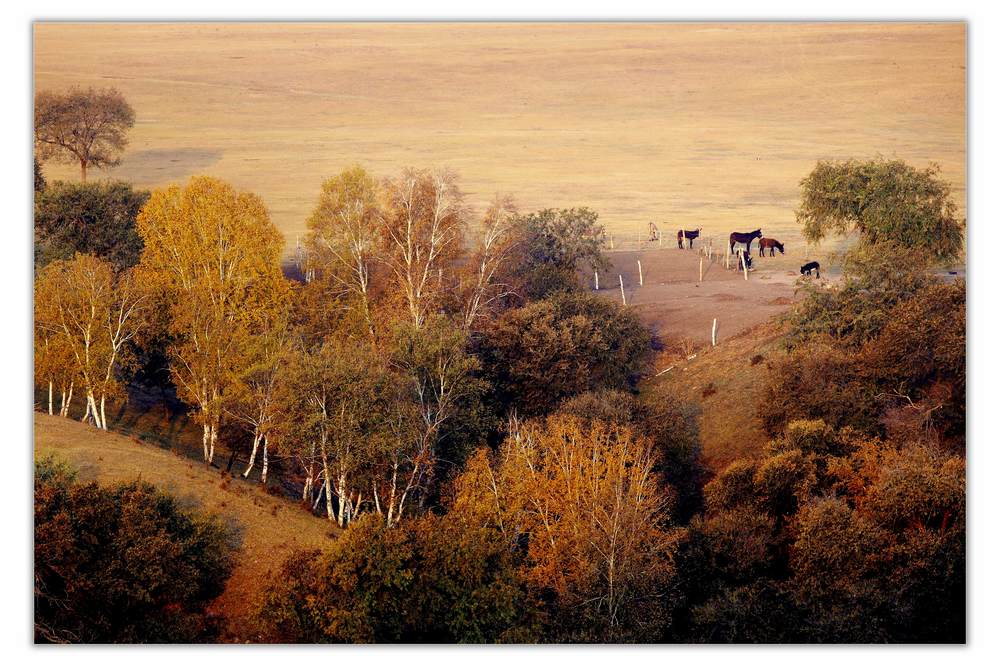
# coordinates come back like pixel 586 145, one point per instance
pixel 488 281
pixel 85 126
pixel 216 253
pixel 344 236
pixel 422 229
pixel 886 202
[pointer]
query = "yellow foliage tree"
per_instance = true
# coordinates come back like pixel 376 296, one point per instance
pixel 85 316
pixel 215 252
pixel 593 510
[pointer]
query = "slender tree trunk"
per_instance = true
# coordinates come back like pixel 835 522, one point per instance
pixel 378 508
pixel 253 453
pixel 326 480
pixel 50 397
pixel 392 495
pixel 204 441
pixel 104 419
pixel 213 438
pixel 342 500
pixel 263 464
pixel 83 171
pixel 86 414
pixel 68 399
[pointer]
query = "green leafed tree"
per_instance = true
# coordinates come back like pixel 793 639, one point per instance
pixel 90 218
pixel 557 244
pixel 885 201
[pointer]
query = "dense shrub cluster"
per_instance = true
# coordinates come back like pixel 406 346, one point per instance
pixel 122 563
pixel 831 537
pixel 885 353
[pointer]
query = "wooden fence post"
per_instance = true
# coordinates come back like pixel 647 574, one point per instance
pixel 612 237
pixel 715 329
pixel 621 284
pixel 701 268
pixel 639 262
pixel 597 283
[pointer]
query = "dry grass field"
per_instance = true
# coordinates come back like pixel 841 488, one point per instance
pixel 271 527
pixel 688 125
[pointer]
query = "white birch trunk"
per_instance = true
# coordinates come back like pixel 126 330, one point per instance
pixel 213 438
pixel 50 397
pixel 253 453
pixel 104 419
pixel 263 468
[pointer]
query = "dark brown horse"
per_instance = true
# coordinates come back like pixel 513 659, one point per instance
pixel 689 235
pixel 772 244
pixel 740 237
pixel 807 269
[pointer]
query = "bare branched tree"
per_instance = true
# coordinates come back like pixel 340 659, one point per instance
pixel 85 126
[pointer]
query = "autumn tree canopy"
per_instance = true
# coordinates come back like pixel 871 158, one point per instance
pixel 215 255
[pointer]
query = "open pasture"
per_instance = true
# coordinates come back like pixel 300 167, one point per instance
pixel 687 125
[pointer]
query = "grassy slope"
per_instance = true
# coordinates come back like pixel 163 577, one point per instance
pixel 271 527
pixel 729 428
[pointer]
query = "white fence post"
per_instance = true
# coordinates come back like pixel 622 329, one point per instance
pixel 621 284
pixel 715 329
pixel 639 262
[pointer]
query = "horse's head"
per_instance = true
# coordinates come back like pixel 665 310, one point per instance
pixel 780 246
pixel 756 234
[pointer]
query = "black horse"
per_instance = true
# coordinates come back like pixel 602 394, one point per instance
pixel 807 269
pixel 740 237
pixel 689 235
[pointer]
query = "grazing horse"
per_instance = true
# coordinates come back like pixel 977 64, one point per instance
pixel 740 237
pixel 809 268
pixel 772 244
pixel 689 235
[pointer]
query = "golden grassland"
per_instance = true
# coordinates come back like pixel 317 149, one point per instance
pixel 271 527
pixel 725 382
pixel 689 125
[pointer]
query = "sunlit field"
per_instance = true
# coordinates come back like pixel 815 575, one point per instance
pixel 686 125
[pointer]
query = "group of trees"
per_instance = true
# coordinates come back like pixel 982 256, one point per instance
pixel 370 381
pixel 443 388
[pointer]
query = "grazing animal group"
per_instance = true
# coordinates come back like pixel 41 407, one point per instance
pixel 747 238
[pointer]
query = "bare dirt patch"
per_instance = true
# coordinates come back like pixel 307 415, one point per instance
pixel 678 307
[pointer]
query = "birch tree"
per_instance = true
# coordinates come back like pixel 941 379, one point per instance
pixel 216 253
pixel 55 366
pixel 332 408
pixel 498 237
pixel 437 374
pixel 423 223
pixel 90 315
pixel 254 403
pixel 344 236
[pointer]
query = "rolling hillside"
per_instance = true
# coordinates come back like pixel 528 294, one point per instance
pixel 271 527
